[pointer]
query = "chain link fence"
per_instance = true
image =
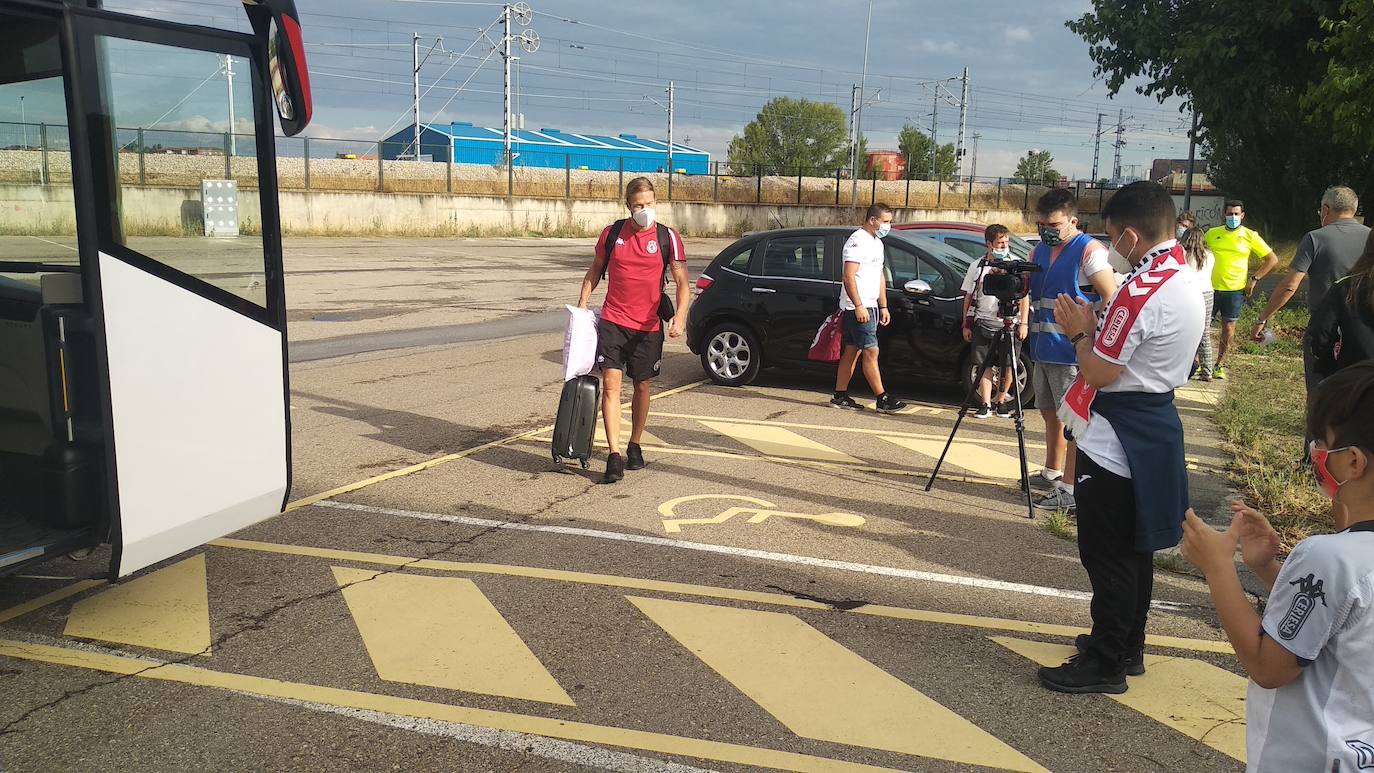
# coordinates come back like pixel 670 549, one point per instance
pixel 39 154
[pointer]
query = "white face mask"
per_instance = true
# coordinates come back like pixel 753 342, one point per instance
pixel 884 229
pixel 644 217
pixel 1179 231
pixel 1001 254
pixel 1116 258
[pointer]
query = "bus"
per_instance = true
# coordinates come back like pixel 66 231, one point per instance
pixel 143 366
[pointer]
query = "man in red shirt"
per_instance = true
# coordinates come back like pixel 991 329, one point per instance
pixel 630 334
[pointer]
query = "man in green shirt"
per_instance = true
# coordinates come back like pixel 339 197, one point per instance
pixel 1233 246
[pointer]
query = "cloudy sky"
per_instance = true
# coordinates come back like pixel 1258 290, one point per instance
pixel 1032 84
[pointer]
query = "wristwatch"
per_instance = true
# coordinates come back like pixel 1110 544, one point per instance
pixel 1078 337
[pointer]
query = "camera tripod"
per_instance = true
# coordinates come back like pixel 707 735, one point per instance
pixel 1004 353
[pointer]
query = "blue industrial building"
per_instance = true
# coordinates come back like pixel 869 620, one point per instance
pixel 551 148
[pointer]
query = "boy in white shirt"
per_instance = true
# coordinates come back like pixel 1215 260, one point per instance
pixel 1311 658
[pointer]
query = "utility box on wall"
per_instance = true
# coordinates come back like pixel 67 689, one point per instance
pixel 219 201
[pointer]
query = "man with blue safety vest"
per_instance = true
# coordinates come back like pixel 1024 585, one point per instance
pixel 1073 264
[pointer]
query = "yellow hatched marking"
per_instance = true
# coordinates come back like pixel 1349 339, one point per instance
pixel 409 707
pixel 705 591
pixel 443 632
pixel 166 610
pixel 820 689
pixel 777 441
pixel 1198 699
pixel 19 610
pixel 970 456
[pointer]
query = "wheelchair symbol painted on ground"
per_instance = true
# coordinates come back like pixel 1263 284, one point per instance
pixel 760 512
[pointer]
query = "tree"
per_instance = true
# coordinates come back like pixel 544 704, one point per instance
pixel 1037 168
pixel 1271 93
pixel 914 145
pixel 788 134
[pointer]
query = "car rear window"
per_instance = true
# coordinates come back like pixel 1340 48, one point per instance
pixel 739 262
pixel 795 257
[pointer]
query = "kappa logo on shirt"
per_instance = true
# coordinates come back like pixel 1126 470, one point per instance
pixel 1364 754
pixel 1309 593
pixel 652 246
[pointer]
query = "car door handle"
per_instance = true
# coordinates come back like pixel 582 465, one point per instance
pixel 764 290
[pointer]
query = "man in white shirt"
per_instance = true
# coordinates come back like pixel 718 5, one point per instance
pixel 863 300
pixel 1132 481
pixel 982 321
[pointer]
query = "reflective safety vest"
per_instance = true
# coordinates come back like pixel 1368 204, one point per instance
pixel 1047 341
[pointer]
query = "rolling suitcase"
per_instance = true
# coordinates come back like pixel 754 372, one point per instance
pixel 575 426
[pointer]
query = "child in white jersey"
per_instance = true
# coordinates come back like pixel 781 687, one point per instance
pixel 1311 658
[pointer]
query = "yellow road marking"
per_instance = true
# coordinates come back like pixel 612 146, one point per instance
pixel 819 689
pixel 763 512
pixel 832 428
pixel 778 441
pixel 707 591
pixel 166 610
pixel 443 632
pixel 1198 699
pixel 437 461
pixel 19 610
pixel 498 720
pixel 966 454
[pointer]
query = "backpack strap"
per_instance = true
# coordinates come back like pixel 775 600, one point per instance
pixel 608 245
pixel 665 246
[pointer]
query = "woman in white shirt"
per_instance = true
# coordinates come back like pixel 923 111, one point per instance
pixel 1200 259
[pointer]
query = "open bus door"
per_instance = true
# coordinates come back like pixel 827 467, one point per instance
pixel 143 373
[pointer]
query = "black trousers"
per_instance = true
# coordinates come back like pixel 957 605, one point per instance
pixel 1122 579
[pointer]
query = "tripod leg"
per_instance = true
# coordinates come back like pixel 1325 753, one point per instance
pixel 988 362
pixel 1020 418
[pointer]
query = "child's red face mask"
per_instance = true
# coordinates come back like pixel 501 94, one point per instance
pixel 1325 480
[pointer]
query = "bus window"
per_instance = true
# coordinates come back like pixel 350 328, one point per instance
pixel 183 117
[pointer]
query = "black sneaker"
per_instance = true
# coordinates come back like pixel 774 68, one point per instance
pixel 845 401
pixel 1006 409
pixel 1082 674
pixel 615 469
pixel 634 457
pixel 1135 662
pixel 983 412
pixel 890 404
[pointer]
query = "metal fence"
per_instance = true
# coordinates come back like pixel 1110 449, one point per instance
pixel 39 153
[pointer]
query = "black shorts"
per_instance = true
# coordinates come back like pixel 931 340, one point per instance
pixel 637 353
pixel 982 344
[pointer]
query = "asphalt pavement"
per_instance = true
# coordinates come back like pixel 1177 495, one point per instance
pixel 776 590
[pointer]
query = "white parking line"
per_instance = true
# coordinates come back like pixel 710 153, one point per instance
pixel 766 555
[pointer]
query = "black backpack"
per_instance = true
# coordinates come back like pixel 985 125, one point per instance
pixel 666 309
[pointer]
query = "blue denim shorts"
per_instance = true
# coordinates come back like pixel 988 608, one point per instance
pixel 1228 304
pixel 861 335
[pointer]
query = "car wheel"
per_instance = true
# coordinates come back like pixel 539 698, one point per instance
pixel 1024 370
pixel 731 355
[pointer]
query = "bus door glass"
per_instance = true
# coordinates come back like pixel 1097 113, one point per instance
pixel 189 278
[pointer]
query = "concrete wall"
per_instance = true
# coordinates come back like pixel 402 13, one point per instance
pixel 176 211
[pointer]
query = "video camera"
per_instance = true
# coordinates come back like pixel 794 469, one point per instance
pixel 1010 280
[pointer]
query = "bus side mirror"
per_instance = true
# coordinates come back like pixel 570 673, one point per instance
pixel 278 22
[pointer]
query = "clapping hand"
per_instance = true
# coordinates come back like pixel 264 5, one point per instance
pixel 1259 543
pixel 1211 551
pixel 1074 316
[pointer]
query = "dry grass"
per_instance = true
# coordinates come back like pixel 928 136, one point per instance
pixel 1262 415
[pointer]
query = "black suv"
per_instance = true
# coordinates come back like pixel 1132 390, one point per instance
pixel 762 300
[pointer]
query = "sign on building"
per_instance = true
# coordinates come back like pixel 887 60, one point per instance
pixel 219 202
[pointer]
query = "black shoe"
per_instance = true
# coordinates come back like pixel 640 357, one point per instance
pixel 1006 409
pixel 1083 674
pixel 983 412
pixel 634 457
pixel 1135 662
pixel 889 404
pixel 615 468
pixel 845 401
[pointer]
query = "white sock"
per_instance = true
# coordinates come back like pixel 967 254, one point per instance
pixel 1051 474
pixel 1062 486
